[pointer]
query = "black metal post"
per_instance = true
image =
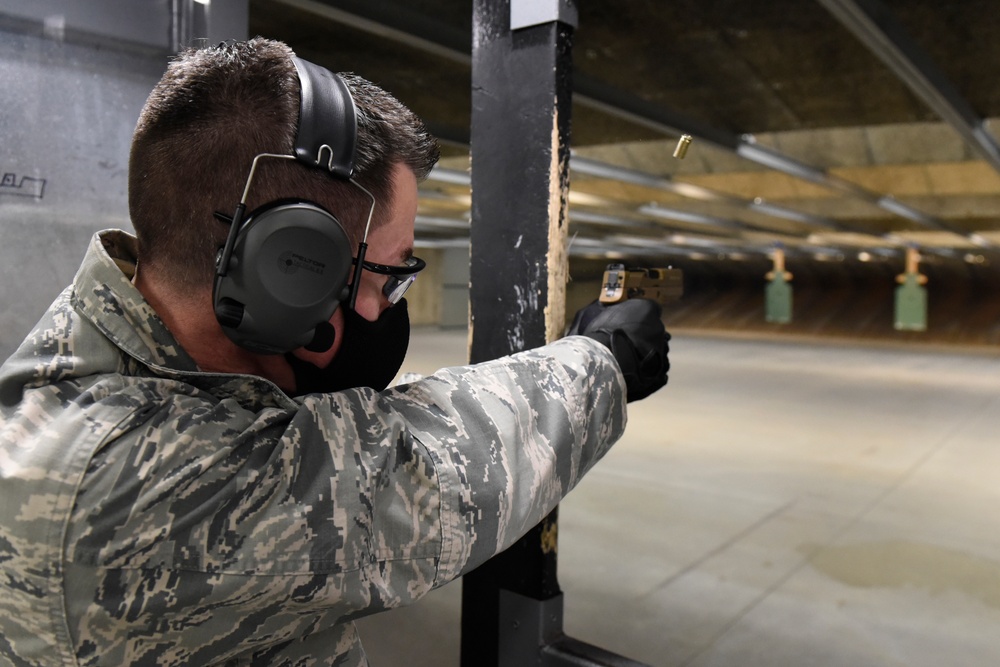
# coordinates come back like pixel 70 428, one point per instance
pixel 521 97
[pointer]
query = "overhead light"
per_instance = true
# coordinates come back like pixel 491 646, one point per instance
pixel 587 242
pixel 441 243
pixel 613 172
pixel 678 215
pixel 451 176
pixel 604 219
pixel 432 222
pixel 586 199
pixel 692 191
pixel 635 241
pixel 980 240
pixel 758 204
pixel 430 194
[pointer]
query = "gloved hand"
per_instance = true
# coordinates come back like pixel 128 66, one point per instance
pixel 633 331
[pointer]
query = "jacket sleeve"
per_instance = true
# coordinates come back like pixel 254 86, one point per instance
pixel 339 505
pixel 510 439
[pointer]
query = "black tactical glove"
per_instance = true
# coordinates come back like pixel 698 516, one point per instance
pixel 633 331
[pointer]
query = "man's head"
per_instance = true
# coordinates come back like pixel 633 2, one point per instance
pixel 212 112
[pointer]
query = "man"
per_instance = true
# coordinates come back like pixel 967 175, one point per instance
pixel 179 489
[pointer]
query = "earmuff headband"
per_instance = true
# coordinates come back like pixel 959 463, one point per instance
pixel 284 268
pixel 325 103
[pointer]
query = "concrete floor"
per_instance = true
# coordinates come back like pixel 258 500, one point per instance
pixel 793 503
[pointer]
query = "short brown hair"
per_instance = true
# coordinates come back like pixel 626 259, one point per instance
pixel 213 111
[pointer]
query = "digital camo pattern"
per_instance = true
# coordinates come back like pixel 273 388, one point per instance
pixel 151 514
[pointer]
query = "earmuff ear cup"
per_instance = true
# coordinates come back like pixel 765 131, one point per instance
pixel 289 270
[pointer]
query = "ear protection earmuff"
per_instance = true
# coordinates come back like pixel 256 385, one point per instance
pixel 285 267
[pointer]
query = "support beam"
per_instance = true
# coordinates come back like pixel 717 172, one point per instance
pixel 521 100
pixel 521 97
pixel 872 23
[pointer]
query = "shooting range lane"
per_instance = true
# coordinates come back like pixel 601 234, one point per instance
pixel 780 503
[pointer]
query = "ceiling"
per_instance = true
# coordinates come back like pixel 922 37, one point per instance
pixel 843 131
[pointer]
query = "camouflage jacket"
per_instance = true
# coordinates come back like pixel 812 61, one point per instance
pixel 153 514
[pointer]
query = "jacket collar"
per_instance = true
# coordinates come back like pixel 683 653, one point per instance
pixel 103 325
pixel 104 294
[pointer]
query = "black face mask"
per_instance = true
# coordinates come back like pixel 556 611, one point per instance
pixel 370 354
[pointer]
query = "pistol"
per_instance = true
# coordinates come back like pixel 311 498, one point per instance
pixel 660 285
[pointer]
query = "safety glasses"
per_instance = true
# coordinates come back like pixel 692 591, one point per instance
pixel 400 277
